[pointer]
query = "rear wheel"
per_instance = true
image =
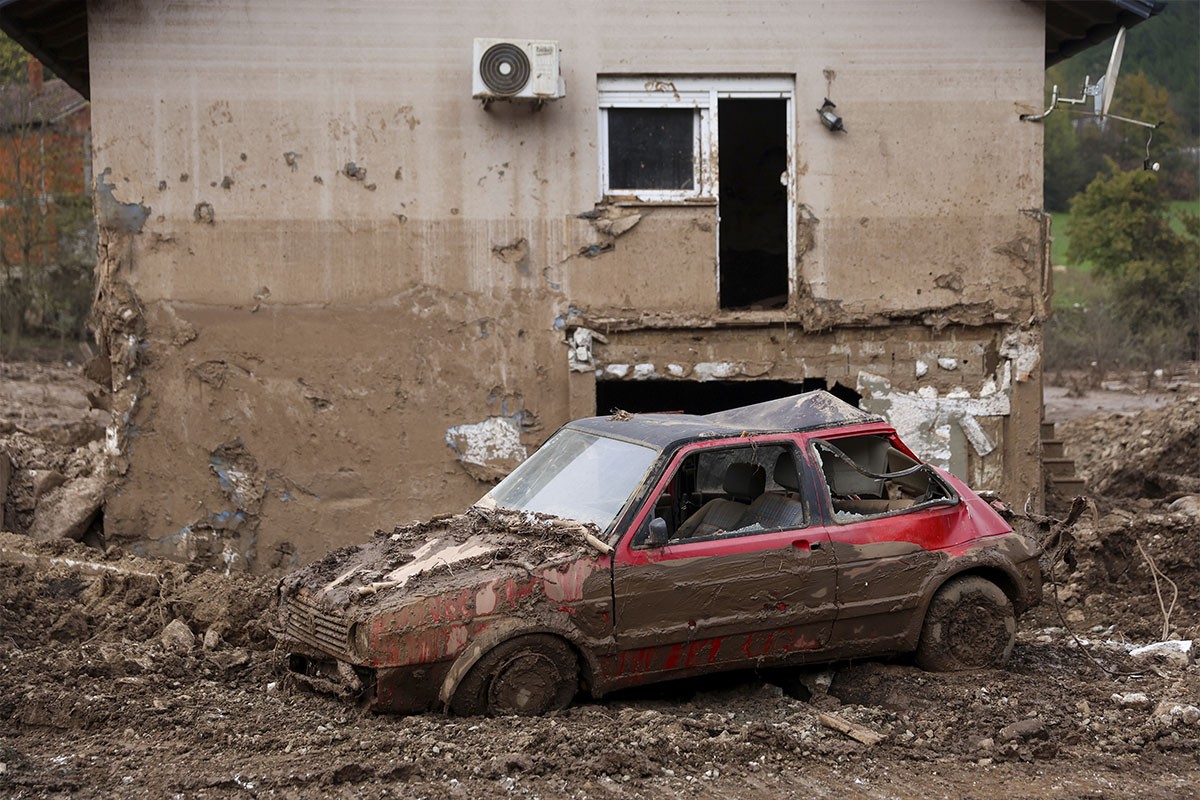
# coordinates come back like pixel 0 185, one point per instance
pixel 970 625
pixel 528 675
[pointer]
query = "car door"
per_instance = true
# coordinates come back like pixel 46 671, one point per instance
pixel 886 550
pixel 718 601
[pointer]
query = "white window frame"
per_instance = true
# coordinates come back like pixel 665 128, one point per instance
pixel 701 93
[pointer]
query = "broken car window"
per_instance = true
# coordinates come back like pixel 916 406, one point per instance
pixel 732 491
pixel 577 476
pixel 867 477
pixel 651 148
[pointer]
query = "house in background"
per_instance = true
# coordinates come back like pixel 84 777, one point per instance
pixel 339 289
pixel 47 233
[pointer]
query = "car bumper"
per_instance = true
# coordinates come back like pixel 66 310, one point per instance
pixel 405 690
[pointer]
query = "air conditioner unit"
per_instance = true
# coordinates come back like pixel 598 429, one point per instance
pixel 509 69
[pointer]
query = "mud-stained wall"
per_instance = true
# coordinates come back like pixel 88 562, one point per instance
pixel 335 289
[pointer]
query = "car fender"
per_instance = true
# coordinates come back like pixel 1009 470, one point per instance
pixel 500 632
pixel 986 565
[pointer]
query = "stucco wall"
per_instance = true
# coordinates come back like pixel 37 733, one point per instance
pixel 328 329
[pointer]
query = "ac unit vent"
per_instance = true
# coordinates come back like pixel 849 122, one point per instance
pixel 514 69
pixel 504 68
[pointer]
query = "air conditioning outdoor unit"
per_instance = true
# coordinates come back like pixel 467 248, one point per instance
pixel 509 69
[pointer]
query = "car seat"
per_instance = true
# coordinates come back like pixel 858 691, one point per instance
pixel 743 483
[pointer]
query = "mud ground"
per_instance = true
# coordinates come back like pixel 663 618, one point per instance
pixel 122 677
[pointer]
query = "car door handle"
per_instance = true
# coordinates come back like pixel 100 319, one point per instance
pixel 804 545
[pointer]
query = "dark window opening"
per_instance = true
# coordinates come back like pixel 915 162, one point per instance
pixel 753 203
pixel 651 148
pixel 702 397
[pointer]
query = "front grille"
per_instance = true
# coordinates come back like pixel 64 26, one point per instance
pixel 304 621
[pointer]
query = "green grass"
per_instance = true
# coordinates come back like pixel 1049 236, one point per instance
pixel 1061 241
pixel 1077 284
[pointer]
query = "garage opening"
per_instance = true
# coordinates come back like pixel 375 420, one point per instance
pixel 753 203
pixel 703 397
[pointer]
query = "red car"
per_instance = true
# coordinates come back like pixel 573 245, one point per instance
pixel 647 547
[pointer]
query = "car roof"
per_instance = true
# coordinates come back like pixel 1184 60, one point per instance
pixel 799 412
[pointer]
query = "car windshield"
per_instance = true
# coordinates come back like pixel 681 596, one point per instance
pixel 575 475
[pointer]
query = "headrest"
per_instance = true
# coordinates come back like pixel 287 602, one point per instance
pixel 785 472
pixel 743 479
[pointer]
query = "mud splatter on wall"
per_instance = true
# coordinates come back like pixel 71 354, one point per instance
pixel 350 310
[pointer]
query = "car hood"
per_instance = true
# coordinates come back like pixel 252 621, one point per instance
pixel 445 554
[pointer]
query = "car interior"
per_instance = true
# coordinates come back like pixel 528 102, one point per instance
pixel 867 476
pixel 733 491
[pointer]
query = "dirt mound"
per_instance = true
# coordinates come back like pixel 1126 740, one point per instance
pixel 128 677
pixel 1153 453
pixel 66 592
pixel 1114 585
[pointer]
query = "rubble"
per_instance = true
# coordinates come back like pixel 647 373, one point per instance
pixel 97 698
pixel 1149 454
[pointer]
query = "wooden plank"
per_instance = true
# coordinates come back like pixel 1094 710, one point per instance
pixel 859 733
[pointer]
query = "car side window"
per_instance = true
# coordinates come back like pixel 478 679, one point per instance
pixel 730 491
pixel 866 476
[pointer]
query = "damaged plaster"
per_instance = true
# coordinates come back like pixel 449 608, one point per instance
pixel 927 420
pixel 487 450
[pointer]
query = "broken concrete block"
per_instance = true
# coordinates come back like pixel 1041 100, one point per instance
pixel 46 480
pixel 178 636
pixel 1132 700
pixel 212 638
pixel 1175 651
pixel 67 511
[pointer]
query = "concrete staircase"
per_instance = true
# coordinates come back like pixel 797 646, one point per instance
pixel 1059 468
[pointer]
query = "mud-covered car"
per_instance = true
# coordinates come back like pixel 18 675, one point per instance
pixel 646 547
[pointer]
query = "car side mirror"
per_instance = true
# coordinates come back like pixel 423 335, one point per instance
pixel 658 534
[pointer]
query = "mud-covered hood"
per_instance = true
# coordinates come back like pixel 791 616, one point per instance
pixel 444 555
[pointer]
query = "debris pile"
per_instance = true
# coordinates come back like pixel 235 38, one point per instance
pixel 53 468
pixel 1153 453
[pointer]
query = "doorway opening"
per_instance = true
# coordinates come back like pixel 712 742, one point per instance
pixel 753 202
pixel 703 397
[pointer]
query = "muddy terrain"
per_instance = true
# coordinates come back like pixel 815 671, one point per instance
pixel 126 677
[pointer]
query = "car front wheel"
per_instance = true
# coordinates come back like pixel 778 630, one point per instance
pixel 528 675
pixel 970 625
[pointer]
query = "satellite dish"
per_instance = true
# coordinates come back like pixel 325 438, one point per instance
pixel 1100 93
pixel 1108 84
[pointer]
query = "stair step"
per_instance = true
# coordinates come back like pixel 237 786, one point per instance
pixel 1048 430
pixel 1073 485
pixel 1059 466
pixel 1053 448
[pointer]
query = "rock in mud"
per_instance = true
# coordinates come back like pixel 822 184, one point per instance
pixel 1176 651
pixel 1132 700
pixel 1023 730
pixel 178 636
pixel 67 511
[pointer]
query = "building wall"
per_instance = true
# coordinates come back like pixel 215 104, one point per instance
pixel 294 343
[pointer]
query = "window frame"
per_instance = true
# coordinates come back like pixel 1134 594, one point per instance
pixel 703 179
pixel 701 94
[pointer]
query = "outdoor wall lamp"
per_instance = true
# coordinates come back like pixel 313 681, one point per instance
pixel 829 118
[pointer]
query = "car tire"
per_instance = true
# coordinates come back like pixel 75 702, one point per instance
pixel 529 675
pixel 970 625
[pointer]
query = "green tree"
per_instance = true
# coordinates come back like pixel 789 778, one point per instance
pixel 1121 224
